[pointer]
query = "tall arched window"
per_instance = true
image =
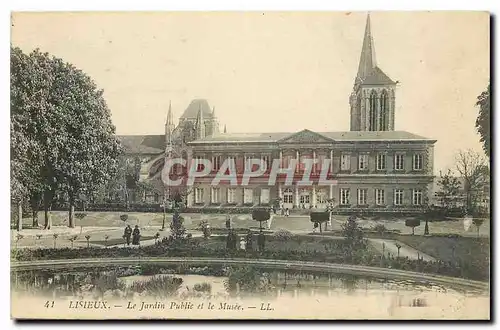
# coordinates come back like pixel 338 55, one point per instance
pixel 372 119
pixel 383 111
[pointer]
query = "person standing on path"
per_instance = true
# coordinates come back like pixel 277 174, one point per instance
pixel 127 234
pixel 136 235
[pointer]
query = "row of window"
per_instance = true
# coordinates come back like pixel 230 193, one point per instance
pixel 345 162
pixel 381 162
pixel 216 198
pixel 345 196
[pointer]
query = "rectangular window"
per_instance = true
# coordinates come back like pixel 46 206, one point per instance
pixel 418 161
pixel 286 160
pixel 399 162
pixel 344 196
pixel 417 197
pixel 345 162
pixel 361 196
pixel 264 195
pixel 199 163
pixel 379 196
pixel 265 162
pixel 216 163
pixel 398 197
pixel 198 195
pixel 380 162
pixel 231 194
pixel 288 198
pixel 247 195
pixel 363 162
pixel 215 195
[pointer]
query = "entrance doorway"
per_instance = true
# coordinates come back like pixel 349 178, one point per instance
pixel 304 199
pixel 287 198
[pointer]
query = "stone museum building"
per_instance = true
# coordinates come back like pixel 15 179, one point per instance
pixel 373 165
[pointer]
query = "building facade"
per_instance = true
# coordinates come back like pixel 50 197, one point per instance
pixel 371 166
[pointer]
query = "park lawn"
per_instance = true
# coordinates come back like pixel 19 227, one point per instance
pixel 470 249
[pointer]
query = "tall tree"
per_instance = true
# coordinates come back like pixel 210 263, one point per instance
pixel 483 123
pixel 449 189
pixel 473 168
pixel 58 111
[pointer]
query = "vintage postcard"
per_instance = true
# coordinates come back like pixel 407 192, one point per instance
pixel 250 165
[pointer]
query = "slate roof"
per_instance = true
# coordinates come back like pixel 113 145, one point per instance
pixel 191 111
pixel 143 144
pixel 377 77
pixel 337 136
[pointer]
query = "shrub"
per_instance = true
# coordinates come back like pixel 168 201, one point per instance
pixel 412 223
pixel 282 235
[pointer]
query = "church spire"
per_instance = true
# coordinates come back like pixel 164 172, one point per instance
pixel 213 111
pixel 200 124
pixel 169 124
pixel 367 61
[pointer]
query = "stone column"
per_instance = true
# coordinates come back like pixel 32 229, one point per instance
pixel 296 196
pixel 297 155
pixel 313 196
pixel 330 195
pixel 314 162
pixel 281 158
pixel 331 161
pixel 280 190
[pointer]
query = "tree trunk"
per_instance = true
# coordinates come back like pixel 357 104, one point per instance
pixel 413 230
pixel 71 215
pixel 320 228
pixel 19 215
pixel 47 205
pixel 35 218
pixel 35 206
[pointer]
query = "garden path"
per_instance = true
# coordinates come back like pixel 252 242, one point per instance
pixel 386 246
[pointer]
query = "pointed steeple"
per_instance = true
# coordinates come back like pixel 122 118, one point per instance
pixel 225 128
pixel 200 124
pixel 169 125
pixel 367 61
pixel 213 111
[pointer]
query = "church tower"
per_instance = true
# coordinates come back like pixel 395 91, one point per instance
pixel 372 98
pixel 169 125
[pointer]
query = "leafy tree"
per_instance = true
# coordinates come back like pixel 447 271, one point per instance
pixel 352 231
pixel 260 216
pixel 177 229
pixel 483 122
pixel 412 223
pixel 62 138
pixel 475 172
pixel 320 218
pixel 449 190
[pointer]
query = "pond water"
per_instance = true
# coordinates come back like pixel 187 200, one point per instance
pixel 209 282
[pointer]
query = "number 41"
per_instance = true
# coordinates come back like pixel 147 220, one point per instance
pixel 49 304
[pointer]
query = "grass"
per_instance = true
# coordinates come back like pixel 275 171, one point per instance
pixel 449 249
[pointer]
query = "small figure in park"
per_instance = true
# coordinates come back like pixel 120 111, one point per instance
pixel 261 240
pixel 127 234
pixel 136 235
pixel 249 240
pixel 228 223
pixel 242 243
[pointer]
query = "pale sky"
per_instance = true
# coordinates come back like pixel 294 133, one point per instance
pixel 275 71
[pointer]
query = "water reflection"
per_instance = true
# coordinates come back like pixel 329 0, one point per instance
pixel 185 282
